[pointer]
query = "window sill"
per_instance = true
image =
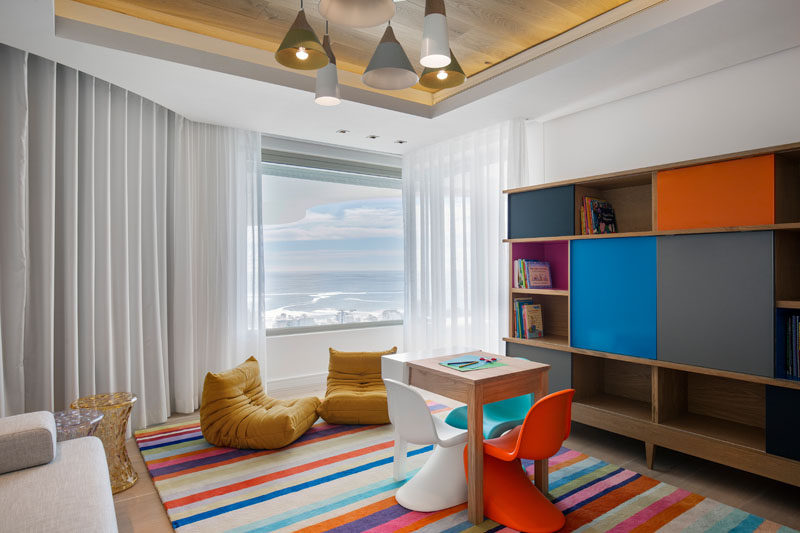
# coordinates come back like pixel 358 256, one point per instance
pixel 300 330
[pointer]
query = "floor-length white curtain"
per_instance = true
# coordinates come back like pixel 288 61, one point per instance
pixel 217 310
pixel 90 181
pixel 456 267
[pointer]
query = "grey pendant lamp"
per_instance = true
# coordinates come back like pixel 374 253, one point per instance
pixel 389 67
pixel 357 13
pixel 301 49
pixel 443 78
pixel 327 93
pixel 435 50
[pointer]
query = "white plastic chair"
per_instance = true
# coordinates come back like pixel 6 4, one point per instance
pixel 441 482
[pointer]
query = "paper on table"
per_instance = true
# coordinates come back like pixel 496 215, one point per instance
pixel 479 365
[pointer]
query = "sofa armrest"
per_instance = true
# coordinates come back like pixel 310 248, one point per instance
pixel 27 440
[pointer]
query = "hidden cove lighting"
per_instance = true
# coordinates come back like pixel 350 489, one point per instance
pixel 327 92
pixel 300 48
pixel 357 13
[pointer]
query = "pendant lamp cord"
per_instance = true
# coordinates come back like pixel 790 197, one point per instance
pixel 301 4
pixel 326 27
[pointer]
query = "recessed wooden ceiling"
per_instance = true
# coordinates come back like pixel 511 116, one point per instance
pixel 483 33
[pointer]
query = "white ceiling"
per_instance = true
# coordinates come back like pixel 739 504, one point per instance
pixel 671 42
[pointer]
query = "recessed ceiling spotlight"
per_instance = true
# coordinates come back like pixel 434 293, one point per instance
pixel 342 131
pixel 400 141
pixel 372 136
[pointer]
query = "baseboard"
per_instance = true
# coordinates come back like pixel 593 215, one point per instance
pixel 297 382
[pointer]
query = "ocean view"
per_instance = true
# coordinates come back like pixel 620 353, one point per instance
pixel 324 298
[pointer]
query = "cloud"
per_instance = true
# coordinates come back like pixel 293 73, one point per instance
pixel 343 221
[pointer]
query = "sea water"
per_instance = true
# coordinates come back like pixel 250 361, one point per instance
pixel 325 298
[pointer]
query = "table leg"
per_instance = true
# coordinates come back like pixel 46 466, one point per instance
pixel 475 456
pixel 399 464
pixel 541 472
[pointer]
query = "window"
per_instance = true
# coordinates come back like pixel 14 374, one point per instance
pixel 333 243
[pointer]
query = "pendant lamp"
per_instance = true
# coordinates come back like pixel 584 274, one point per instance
pixel 327 77
pixel 389 67
pixel 300 49
pixel 443 78
pixel 435 52
pixel 357 13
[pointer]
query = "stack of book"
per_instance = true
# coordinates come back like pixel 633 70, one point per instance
pixel 597 216
pixel 530 274
pixel 791 355
pixel 527 319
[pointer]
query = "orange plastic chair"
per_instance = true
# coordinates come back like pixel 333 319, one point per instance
pixel 509 496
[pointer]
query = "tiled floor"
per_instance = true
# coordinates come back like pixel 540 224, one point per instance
pixel 139 508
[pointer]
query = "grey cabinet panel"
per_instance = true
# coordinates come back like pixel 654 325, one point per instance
pixel 560 374
pixel 542 213
pixel 716 302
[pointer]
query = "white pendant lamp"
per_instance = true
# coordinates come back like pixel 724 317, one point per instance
pixel 327 76
pixel 357 13
pixel 389 67
pixel 435 51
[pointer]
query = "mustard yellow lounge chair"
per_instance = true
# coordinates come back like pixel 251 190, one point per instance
pixel 235 412
pixel 355 393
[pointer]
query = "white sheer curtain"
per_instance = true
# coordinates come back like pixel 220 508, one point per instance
pixel 217 311
pixel 456 267
pixel 93 207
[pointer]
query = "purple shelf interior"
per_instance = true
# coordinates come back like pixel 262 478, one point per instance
pixel 554 252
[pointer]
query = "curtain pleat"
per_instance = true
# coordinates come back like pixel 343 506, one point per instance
pixel 456 267
pixel 126 245
pixel 13 216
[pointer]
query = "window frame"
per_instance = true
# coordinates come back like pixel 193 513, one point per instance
pixel 303 166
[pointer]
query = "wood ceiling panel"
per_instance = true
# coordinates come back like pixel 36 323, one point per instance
pixel 482 32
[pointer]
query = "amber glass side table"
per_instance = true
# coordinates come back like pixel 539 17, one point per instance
pixel 116 408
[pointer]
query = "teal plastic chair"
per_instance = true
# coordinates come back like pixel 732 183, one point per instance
pixel 498 417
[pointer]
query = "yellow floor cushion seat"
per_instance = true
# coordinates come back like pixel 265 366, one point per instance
pixel 235 412
pixel 355 392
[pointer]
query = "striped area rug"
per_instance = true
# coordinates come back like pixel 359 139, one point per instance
pixel 339 478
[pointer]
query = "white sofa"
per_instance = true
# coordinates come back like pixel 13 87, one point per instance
pixel 49 486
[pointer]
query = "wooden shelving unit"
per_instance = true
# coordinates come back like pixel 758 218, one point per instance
pixel 547 292
pixel 717 413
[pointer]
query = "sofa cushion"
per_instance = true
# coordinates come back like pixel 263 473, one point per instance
pixel 27 440
pixel 235 412
pixel 355 392
pixel 72 493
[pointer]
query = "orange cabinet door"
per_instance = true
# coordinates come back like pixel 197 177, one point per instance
pixel 731 193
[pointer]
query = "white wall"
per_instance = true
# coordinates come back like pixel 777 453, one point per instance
pixel 302 360
pixel 751 105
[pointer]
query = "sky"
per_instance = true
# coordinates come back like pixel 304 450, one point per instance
pixel 365 234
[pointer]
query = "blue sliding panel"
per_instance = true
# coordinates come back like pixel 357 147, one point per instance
pixel 613 295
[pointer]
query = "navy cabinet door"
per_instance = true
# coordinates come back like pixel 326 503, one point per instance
pixel 542 213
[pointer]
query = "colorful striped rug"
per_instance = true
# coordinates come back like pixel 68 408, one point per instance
pixel 339 478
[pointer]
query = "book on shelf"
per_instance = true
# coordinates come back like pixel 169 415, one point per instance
pixel 532 274
pixel 533 321
pixel 790 358
pixel 527 319
pixel 597 217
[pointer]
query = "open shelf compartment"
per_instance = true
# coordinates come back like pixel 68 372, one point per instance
pixel 787 186
pixel 555 318
pixel 630 196
pixel 720 408
pixel 614 386
pixel 554 252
